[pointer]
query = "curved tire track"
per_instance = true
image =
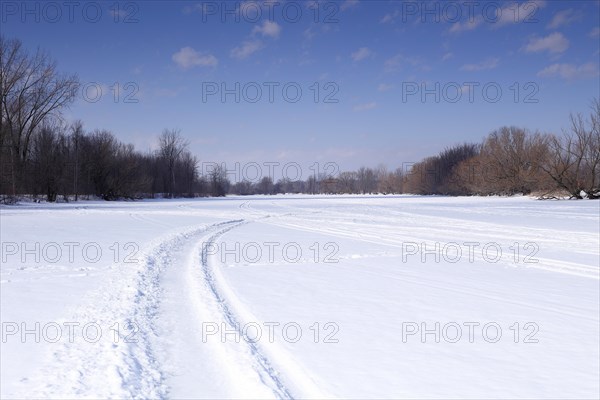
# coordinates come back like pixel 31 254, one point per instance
pixel 123 363
pixel 268 374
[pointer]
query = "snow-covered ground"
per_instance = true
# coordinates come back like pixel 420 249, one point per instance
pixel 302 297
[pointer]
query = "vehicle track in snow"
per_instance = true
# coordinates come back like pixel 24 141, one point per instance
pixel 128 363
pixel 122 362
pixel 396 234
pixel 268 375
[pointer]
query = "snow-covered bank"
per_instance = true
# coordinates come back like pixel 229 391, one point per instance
pixel 301 296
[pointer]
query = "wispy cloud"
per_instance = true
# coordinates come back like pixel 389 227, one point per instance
pixel 508 15
pixel 447 56
pixel 361 54
pixel 246 49
pixel 564 18
pixel 348 4
pixel 118 14
pixel 268 28
pixel 365 107
pixel 392 64
pixel 398 61
pixel 570 71
pixel 384 87
pixel 489 63
pixel 250 46
pixel 527 12
pixel 187 58
pixel 467 25
pixel 594 33
pixel 390 17
pixel 555 43
pixel 309 33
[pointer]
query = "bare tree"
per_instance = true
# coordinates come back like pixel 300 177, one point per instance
pixel 510 158
pixel 171 147
pixel 367 180
pixel 76 138
pixel 219 184
pixel 31 91
pixel 423 177
pixel 101 148
pixel 390 182
pixel 574 161
pixel 189 173
pixel 435 175
pixel 50 155
pixel 243 188
pixel 312 185
pixel 265 185
pixel 347 182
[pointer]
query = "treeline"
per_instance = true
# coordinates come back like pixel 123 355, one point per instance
pixel 40 155
pixel 509 161
pixel 44 157
pixel 515 161
pixel 66 162
pixel 363 181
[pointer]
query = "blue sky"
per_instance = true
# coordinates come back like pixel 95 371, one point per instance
pixel 373 57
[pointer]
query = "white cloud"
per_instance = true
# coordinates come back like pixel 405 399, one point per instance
pixel 246 49
pixel 594 33
pixel 467 25
pixel 390 17
pixel 188 58
pixel 447 56
pixel 524 12
pixel 564 18
pixel 119 14
pixel 365 107
pixel 268 28
pixel 393 63
pixel 309 33
pixel 347 4
pixel 570 71
pixel 396 62
pixel 554 43
pixel 489 63
pixel 384 87
pixel 361 54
